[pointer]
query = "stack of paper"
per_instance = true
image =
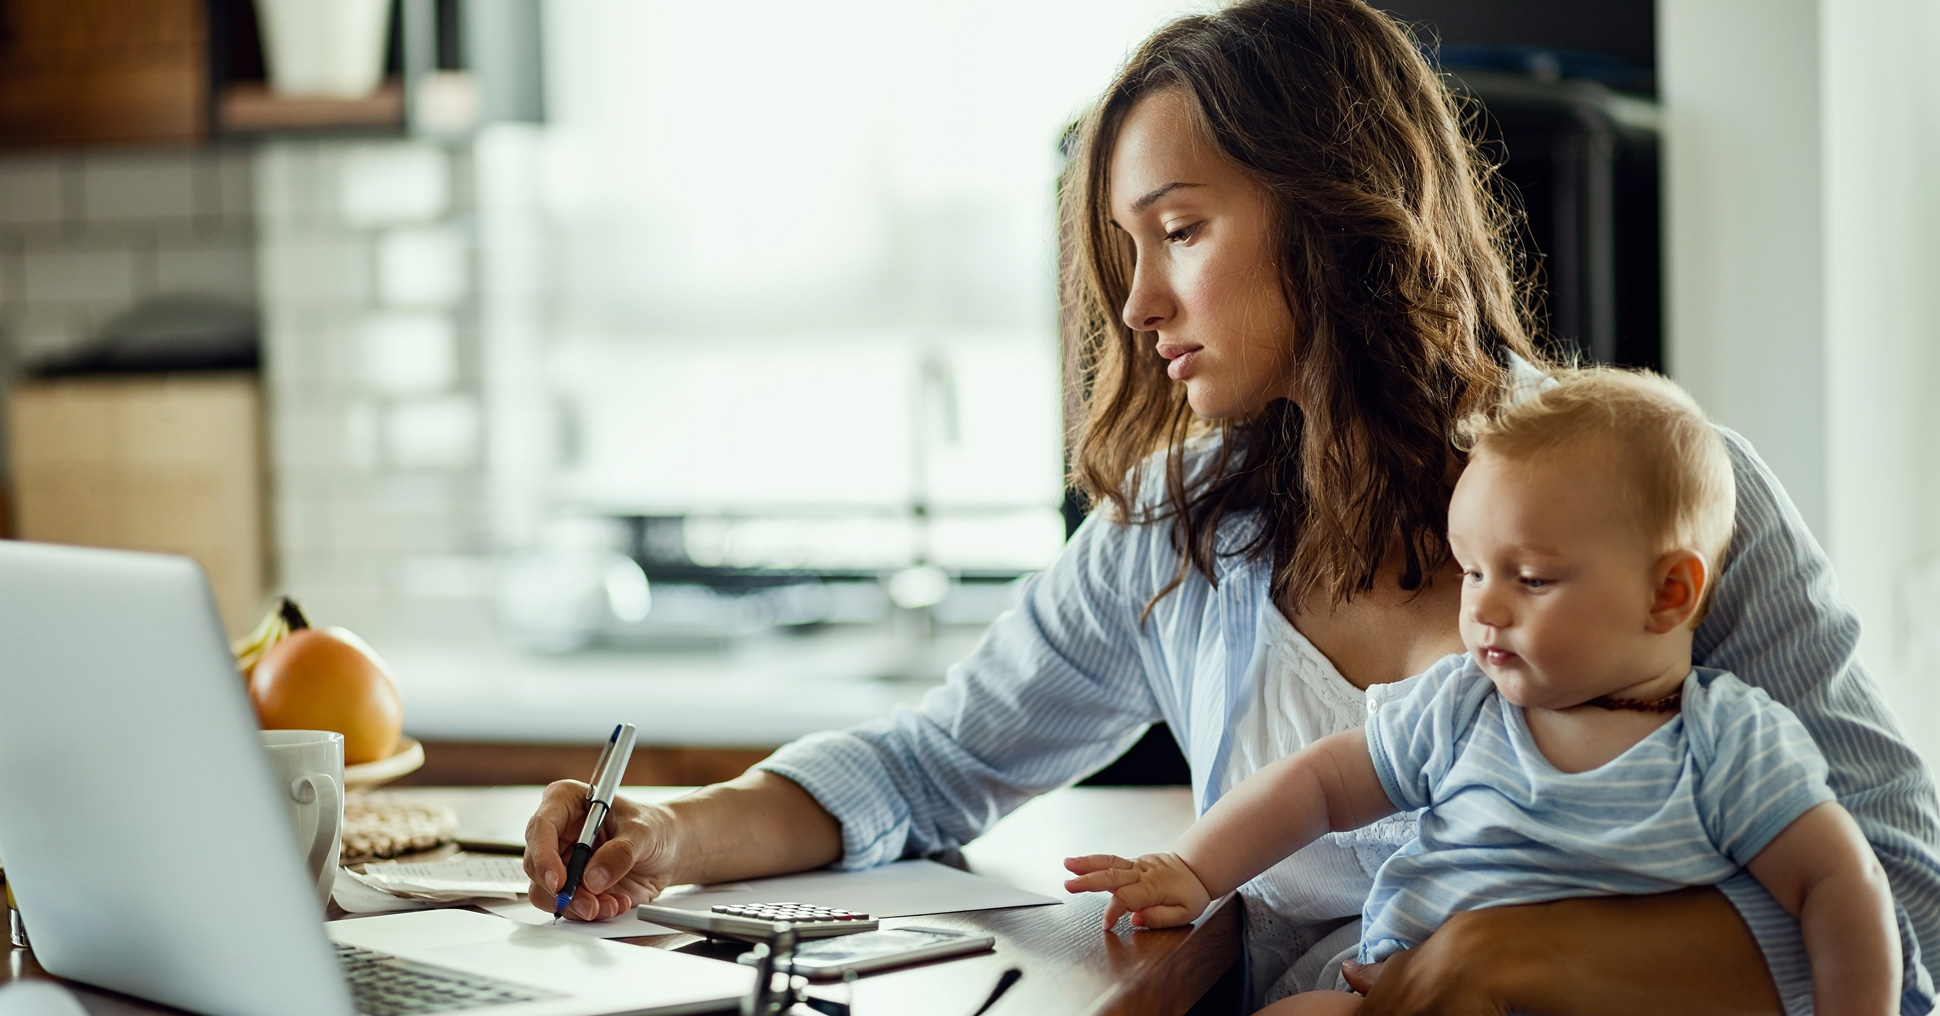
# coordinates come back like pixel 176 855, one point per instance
pixel 458 879
pixel 901 889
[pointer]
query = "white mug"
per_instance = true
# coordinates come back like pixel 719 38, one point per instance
pixel 309 769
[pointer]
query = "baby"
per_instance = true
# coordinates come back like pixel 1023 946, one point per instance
pixel 1574 750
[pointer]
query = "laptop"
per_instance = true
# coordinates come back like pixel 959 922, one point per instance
pixel 150 854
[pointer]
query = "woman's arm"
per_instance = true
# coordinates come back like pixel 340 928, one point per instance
pixel 1683 953
pixel 1780 623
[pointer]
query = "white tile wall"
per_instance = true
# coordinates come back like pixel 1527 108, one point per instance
pixel 10 272
pixel 143 188
pixel 223 266
pixel 314 441
pixel 43 330
pixel 320 271
pixel 294 354
pixel 359 436
pixel 410 354
pixel 288 192
pixel 436 433
pixel 63 271
pixel 233 185
pixel 32 191
pixel 315 352
pixel 421 267
pixel 392 185
pixel 365 258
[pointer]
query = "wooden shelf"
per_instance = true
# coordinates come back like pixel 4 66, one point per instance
pixel 83 72
pixel 251 108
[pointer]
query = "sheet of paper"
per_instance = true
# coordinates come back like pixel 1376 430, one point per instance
pixel 471 874
pixel 624 926
pixel 357 896
pixel 902 889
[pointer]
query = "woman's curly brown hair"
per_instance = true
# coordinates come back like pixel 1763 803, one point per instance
pixel 1394 256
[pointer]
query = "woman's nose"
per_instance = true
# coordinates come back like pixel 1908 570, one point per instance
pixel 1148 306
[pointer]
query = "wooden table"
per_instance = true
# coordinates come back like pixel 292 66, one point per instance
pixel 1069 963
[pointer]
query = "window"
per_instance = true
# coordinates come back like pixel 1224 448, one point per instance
pixel 795 275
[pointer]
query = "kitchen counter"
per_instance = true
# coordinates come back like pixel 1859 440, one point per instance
pixel 765 692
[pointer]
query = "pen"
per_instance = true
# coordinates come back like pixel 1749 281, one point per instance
pixel 599 799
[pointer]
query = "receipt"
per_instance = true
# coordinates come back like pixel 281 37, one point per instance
pixel 460 877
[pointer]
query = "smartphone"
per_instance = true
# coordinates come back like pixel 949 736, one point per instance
pixel 880 950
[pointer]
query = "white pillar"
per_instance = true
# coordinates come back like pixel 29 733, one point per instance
pixel 1744 255
pixel 1802 153
pixel 1881 108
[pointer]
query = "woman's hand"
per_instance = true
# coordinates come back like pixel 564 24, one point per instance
pixel 1448 980
pixel 1677 952
pixel 630 865
pixel 753 825
pixel 1158 890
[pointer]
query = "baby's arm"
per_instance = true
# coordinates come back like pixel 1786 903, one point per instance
pixel 1330 785
pixel 1821 870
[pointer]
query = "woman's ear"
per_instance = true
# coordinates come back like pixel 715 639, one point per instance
pixel 1681 577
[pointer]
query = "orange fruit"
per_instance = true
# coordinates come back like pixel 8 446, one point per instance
pixel 327 679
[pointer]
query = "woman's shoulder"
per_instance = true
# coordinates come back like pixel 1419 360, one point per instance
pixel 1771 547
pixel 1762 503
pixel 1777 620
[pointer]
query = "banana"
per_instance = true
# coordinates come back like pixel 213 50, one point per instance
pixel 248 648
pixel 284 618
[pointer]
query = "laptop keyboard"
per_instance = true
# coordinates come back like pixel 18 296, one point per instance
pixel 385 985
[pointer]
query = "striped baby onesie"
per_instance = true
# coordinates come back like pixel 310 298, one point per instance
pixel 1688 805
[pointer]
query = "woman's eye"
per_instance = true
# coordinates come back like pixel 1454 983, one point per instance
pixel 1472 575
pixel 1531 582
pixel 1183 233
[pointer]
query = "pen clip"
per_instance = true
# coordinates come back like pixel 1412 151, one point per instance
pixel 606 781
pixel 599 768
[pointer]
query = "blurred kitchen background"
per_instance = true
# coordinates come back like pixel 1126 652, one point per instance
pixel 699 365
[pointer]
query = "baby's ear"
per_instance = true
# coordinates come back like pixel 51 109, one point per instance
pixel 1681 577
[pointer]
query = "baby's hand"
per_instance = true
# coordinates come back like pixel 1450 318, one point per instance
pixel 1158 890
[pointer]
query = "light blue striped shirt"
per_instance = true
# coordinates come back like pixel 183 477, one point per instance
pixel 1690 804
pixel 1066 682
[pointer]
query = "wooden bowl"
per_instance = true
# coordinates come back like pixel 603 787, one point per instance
pixel 408 757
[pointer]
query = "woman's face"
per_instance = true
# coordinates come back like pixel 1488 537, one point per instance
pixel 1206 281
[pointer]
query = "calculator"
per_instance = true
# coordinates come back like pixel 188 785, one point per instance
pixel 879 950
pixel 756 922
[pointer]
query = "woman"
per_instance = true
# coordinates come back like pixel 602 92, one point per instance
pixel 1292 282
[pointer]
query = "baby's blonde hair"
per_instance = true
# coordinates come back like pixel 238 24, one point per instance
pixel 1677 472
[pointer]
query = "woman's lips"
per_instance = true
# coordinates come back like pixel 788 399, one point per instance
pixel 1182 358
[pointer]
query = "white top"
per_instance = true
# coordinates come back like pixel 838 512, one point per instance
pixel 1298 697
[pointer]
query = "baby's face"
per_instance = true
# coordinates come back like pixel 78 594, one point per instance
pixel 1557 584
